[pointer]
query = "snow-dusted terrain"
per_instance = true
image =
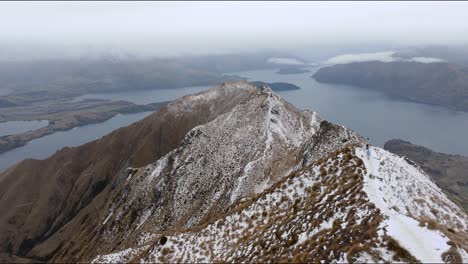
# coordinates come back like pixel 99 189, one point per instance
pixel 267 182
pixel 326 212
pixel 405 195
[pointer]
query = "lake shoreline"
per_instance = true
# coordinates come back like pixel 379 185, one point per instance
pixel 10 142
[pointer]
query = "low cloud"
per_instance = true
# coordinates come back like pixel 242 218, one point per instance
pixel 384 56
pixel 285 61
pixel 426 59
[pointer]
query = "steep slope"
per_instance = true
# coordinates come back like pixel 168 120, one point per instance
pixel 56 189
pixel 237 155
pixel 343 207
pixel 450 172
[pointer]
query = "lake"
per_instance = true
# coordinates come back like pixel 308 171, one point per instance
pixel 45 146
pixel 373 114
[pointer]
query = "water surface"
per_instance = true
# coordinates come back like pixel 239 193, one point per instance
pixel 43 147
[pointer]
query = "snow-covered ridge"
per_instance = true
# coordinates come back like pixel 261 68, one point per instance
pixel 299 211
pixel 237 155
pixel 221 90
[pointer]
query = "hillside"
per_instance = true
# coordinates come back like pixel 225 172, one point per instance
pixel 449 171
pixel 352 212
pixel 249 178
pixel 433 83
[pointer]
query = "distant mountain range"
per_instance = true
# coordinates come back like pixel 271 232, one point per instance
pixel 442 84
pixel 231 174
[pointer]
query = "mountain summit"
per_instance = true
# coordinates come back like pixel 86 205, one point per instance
pixel 256 179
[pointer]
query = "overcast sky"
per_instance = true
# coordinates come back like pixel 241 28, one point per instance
pixel 207 27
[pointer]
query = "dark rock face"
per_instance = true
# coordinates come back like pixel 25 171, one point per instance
pixel 450 172
pixel 433 83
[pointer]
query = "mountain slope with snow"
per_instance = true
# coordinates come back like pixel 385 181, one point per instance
pixel 264 181
pixel 329 211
